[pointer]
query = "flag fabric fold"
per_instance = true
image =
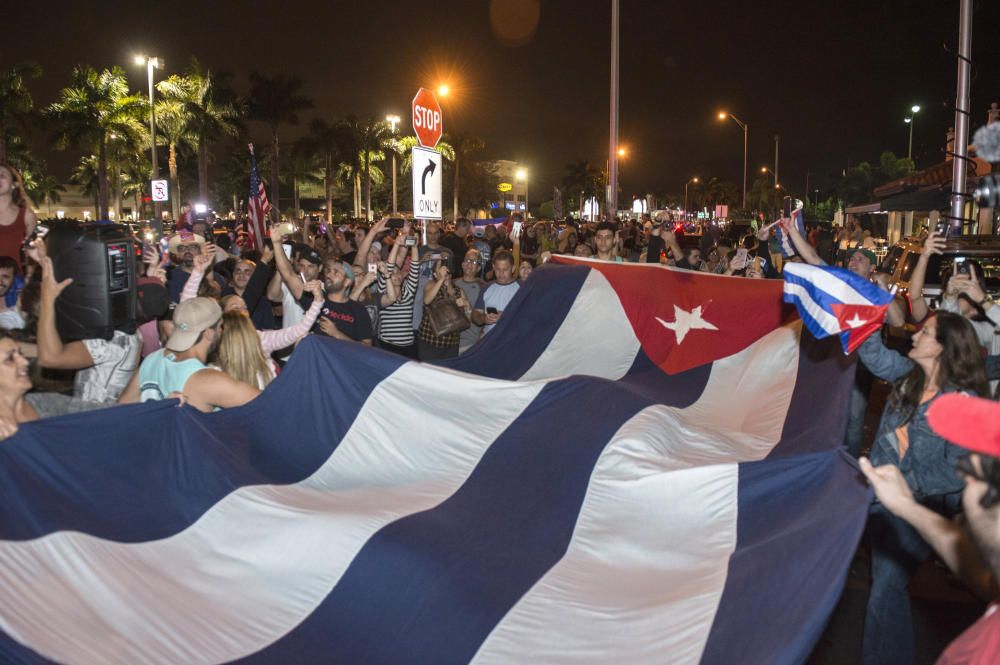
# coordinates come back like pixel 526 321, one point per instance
pixel 571 490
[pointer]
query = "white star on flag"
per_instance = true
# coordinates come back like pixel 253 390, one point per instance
pixel 686 321
pixel 856 322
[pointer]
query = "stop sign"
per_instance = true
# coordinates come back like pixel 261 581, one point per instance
pixel 427 121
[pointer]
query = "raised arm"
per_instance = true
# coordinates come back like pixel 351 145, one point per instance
pixel 366 243
pixel 271 340
pixel 881 361
pixel 285 269
pixel 52 353
pixel 254 292
pixel 802 246
pixel 918 306
pixel 201 264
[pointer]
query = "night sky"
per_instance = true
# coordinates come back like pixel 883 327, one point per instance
pixel 833 79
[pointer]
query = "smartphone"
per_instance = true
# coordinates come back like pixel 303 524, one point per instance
pixel 287 228
pixel 410 241
pixel 372 267
pixel 395 223
pixel 787 210
pixel 288 250
pixel 741 259
pixel 961 266
pixel 491 310
pixel 941 228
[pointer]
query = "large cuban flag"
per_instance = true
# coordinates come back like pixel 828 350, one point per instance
pixel 638 465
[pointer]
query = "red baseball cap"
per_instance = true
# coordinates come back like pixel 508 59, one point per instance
pixel 970 422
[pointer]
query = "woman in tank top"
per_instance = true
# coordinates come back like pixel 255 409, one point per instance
pixel 17 220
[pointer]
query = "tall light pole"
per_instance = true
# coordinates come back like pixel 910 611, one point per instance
pixel 612 194
pixel 393 120
pixel 910 119
pixel 746 144
pixel 154 172
pixel 522 176
pixel 695 181
pixel 959 167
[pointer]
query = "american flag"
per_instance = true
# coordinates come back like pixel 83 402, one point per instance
pixel 258 206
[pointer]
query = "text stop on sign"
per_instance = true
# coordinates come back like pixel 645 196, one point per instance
pixel 428 122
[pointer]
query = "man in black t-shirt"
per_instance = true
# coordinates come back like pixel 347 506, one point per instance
pixel 341 317
pixel 457 244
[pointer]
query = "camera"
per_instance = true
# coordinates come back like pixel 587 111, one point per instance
pixel 410 241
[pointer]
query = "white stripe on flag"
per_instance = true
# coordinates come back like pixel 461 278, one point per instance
pixel 595 338
pixel 644 573
pixel 264 557
pixel 823 318
pixel 825 281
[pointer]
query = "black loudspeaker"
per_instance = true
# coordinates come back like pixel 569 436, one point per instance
pixel 101 260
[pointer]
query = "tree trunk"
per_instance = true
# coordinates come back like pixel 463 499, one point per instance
pixel 455 202
pixel 275 188
pixel 357 195
pixel 203 169
pixel 328 180
pixel 116 193
pixel 295 198
pixel 368 185
pixel 102 178
pixel 175 183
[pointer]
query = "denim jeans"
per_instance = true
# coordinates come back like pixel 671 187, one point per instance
pixel 857 405
pixel 897 552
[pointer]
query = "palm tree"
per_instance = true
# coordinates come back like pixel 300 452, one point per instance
pixel 94 107
pixel 327 141
pixel 213 110
pixel 47 190
pixel 276 101
pixel 16 104
pixel 465 149
pixel 174 124
pixel 374 135
pixel 303 166
pixel 85 175
pixel 583 180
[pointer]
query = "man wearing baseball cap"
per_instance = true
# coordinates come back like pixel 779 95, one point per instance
pixel 974 424
pixel 181 367
pixel 341 317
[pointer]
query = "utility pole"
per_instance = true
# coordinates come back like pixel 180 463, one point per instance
pixel 958 164
pixel 612 197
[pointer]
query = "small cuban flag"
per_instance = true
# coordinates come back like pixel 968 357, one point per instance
pixel 835 301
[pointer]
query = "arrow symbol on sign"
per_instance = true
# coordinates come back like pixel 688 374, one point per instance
pixel 429 169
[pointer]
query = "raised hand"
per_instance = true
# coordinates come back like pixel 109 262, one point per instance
pixel 933 245
pixel 315 287
pixel 266 255
pixel 50 287
pixel 203 262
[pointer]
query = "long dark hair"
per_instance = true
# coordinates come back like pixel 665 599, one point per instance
pixel 960 365
pixel 19 196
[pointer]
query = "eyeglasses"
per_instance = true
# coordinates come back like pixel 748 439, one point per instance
pixel 188 248
pixel 471 261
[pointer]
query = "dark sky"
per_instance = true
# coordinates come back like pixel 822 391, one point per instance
pixel 833 79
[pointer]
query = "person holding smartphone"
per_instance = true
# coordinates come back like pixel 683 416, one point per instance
pixel 496 295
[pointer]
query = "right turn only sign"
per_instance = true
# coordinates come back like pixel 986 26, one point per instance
pixel 426 183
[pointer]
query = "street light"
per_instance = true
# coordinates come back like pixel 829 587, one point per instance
pixel 914 110
pixel 521 175
pixel 695 181
pixel 443 90
pixel 393 120
pixel 746 143
pixel 152 63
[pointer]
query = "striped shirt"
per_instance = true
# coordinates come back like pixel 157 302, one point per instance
pixel 396 320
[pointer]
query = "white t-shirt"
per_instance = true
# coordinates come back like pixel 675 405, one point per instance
pixel 291 313
pixel 115 361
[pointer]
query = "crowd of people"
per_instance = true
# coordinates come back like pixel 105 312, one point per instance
pixel 217 321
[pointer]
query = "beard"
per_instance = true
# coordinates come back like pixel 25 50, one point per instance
pixel 187 260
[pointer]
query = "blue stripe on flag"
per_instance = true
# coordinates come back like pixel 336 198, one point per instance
pixel 431 587
pixel 528 325
pixel 159 468
pixel 785 507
